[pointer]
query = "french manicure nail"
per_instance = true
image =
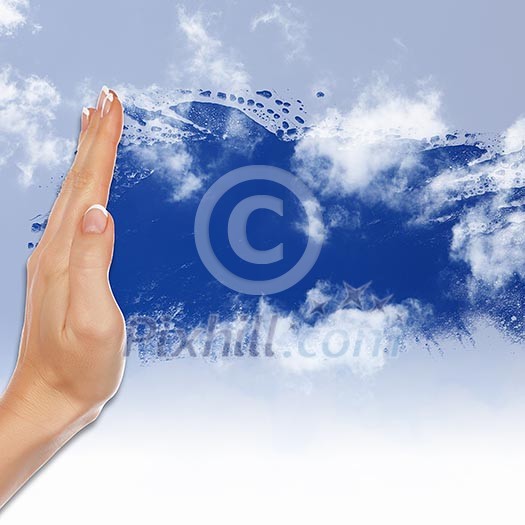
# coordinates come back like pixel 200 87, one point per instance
pixel 85 119
pixel 95 219
pixel 104 92
pixel 104 101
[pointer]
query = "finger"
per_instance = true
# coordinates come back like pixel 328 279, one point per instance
pixel 84 123
pixel 88 129
pixel 90 177
pixel 90 296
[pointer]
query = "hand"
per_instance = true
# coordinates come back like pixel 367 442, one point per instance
pixel 71 356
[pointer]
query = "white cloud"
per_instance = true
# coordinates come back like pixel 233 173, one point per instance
pixel 346 152
pixel 174 163
pixel 490 235
pixel 361 340
pixel 491 239
pixel 27 111
pixel 514 137
pixel 492 174
pixel 184 180
pixel 310 339
pixel 289 19
pixel 313 227
pixel 484 178
pixel 209 63
pixel 12 15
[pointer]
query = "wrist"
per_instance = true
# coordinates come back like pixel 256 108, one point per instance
pixel 47 412
pixel 35 422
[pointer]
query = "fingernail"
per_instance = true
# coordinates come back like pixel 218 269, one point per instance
pixel 85 119
pixel 95 219
pixel 103 93
pixel 104 101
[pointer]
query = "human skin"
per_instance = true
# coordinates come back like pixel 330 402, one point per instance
pixel 71 356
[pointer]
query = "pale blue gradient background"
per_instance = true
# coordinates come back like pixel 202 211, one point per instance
pixel 465 400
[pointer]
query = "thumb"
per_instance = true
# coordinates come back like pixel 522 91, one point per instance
pixel 89 262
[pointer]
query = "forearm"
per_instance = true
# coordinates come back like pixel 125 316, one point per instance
pixel 34 424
